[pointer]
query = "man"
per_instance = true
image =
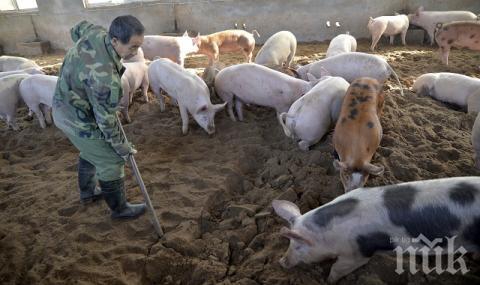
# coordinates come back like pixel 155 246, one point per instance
pixel 85 105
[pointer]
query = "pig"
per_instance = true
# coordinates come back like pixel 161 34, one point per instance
pixel 189 90
pixel 312 116
pixel 251 83
pixel 10 63
pixel 351 66
pixel 10 97
pixel 37 92
pixel 457 34
pixel 358 224
pixel 429 19
pixel 448 87
pixel 29 70
pixel 278 50
pixel 174 48
pixel 388 26
pixel 134 77
pixel 358 132
pixel 476 141
pixel 341 44
pixel 227 41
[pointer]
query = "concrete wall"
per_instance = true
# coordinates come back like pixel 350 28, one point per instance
pixel 305 18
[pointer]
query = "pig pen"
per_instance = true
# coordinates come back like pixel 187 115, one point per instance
pixel 213 193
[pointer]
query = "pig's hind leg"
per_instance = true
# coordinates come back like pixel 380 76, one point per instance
pixel 239 109
pixel 344 265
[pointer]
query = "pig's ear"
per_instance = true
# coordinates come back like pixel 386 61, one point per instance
pixel 219 107
pixel 202 108
pixel 374 170
pixel 196 40
pixel 185 34
pixel 339 165
pixel 311 77
pixel 288 233
pixel 287 210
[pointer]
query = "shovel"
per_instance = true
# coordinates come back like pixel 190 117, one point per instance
pixel 148 202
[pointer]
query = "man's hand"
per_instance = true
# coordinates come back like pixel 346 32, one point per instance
pixel 124 150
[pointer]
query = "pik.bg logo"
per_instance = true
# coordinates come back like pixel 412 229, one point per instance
pixel 430 248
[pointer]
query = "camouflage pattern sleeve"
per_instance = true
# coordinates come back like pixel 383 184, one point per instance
pixel 80 29
pixel 104 97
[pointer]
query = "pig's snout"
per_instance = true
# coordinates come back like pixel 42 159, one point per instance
pixel 210 129
pixel 284 263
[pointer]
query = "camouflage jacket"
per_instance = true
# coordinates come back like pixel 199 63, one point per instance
pixel 89 87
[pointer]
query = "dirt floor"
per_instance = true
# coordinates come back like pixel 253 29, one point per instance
pixel 213 193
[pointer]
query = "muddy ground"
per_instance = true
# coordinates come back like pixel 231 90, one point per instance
pixel 213 193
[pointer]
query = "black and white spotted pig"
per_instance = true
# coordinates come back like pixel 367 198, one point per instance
pixel 359 223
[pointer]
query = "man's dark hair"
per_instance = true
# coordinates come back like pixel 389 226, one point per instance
pixel 124 27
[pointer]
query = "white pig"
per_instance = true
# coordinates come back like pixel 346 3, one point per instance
pixel 429 19
pixel 174 48
pixel 388 26
pixel 134 77
pixel 447 87
pixel 352 228
pixel 9 98
pixel 340 44
pixel 37 92
pixel 251 83
pixel 312 116
pixel 278 50
pixel 351 66
pixel 29 70
pixel 9 63
pixel 189 90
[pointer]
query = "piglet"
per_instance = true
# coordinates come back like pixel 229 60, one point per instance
pixel 350 66
pixel 251 83
pixel 10 97
pixel 278 50
pixel 173 48
pixel 10 63
pixel 449 87
pixel 37 92
pixel 134 77
pixel 189 90
pixel 227 41
pixel 358 133
pixel 429 19
pixel 29 70
pixel 341 44
pixel 365 221
pixel 388 26
pixel 312 116
pixel 457 34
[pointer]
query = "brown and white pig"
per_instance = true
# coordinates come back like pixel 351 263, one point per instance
pixel 10 63
pixel 134 77
pixel 37 92
pixel 448 87
pixel 358 132
pixel 278 50
pixel 386 219
pixel 341 44
pixel 227 41
pixel 457 34
pixel 10 97
pixel 314 114
pixel 173 48
pixel 428 20
pixel 350 66
pixel 251 83
pixel 189 90
pixel 388 26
